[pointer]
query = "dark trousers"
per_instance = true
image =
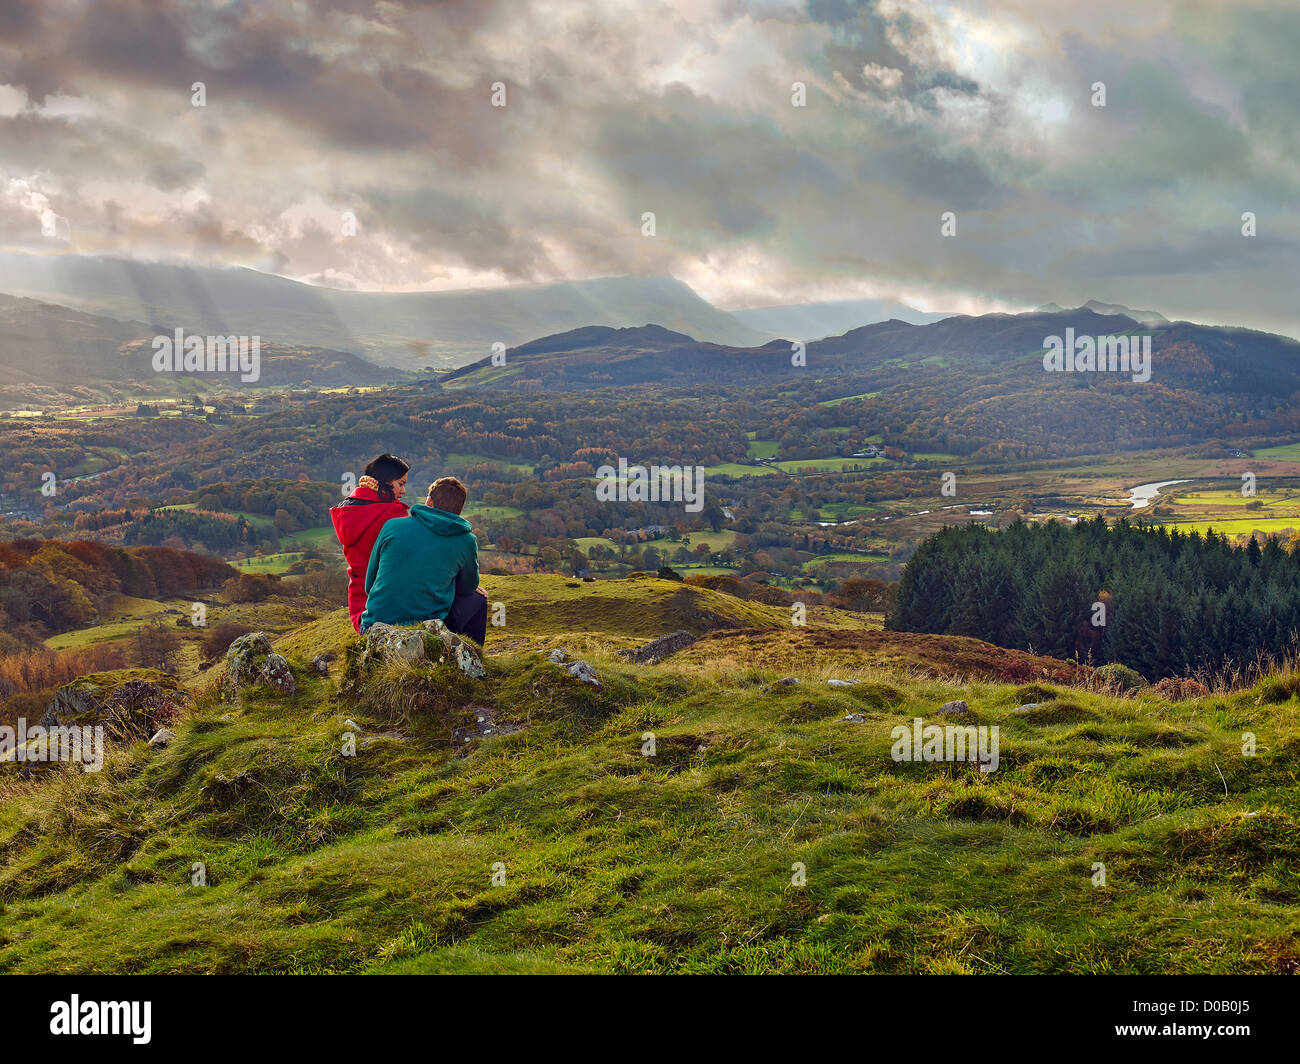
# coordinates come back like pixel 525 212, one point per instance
pixel 468 616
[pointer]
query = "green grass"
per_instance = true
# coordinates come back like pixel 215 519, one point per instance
pixel 1288 452
pixel 462 460
pixel 871 556
pixel 614 862
pixel 846 398
pixel 736 469
pixel 492 513
pixel 763 448
pixel 319 537
pixel 268 564
pixel 828 465
pixel 1238 526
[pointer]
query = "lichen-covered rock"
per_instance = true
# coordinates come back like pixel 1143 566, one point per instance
pixel 559 657
pixel 954 709
pixel 162 737
pixel 129 704
pixel 785 681
pixel 386 643
pixel 71 701
pixel 581 670
pixel 277 675
pixel 321 665
pixel 658 649
pixel 459 650
pixel 245 660
pixel 840 683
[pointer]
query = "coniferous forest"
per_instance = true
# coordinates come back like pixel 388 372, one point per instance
pixel 1157 600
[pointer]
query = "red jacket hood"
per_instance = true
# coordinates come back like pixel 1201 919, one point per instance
pixel 361 514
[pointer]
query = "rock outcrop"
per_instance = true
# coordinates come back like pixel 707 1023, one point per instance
pixel 581 670
pixel 129 704
pixel 388 644
pixel 658 649
pixel 250 662
pixel 458 649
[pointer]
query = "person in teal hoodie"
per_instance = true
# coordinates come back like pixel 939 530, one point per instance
pixel 425 566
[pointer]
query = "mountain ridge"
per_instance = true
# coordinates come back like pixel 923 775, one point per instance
pixel 404 329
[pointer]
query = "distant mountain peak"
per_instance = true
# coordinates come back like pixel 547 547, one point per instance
pixel 1144 317
pixel 634 336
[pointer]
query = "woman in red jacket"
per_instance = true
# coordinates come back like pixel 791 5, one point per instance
pixel 358 519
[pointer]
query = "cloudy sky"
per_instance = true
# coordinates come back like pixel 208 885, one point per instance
pixel 684 108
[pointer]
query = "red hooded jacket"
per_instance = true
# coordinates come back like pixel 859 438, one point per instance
pixel 357 521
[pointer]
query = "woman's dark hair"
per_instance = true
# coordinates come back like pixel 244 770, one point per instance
pixel 385 469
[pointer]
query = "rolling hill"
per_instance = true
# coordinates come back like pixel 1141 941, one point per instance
pixel 973 378
pixel 517 823
pixel 51 355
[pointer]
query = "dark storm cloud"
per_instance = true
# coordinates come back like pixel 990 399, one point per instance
pixel 682 108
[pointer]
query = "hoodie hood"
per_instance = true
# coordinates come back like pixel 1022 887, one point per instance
pixel 440 521
pixel 361 515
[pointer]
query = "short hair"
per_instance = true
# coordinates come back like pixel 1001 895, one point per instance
pixel 447 493
pixel 386 469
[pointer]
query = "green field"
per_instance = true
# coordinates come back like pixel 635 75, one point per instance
pixel 460 461
pixel 763 448
pixel 846 398
pixel 872 556
pixel 735 469
pixel 1238 526
pixel 492 513
pixel 268 564
pixel 829 465
pixel 1288 452
pixel 320 537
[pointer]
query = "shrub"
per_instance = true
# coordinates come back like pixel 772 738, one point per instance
pixel 1121 676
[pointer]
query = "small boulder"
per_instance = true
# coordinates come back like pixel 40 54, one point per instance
pixel 785 681
pixel 458 649
pixel 1028 707
pixel 321 666
pixel 162 737
pixel 840 683
pixel 954 709
pixel 277 675
pixel 855 718
pixel 245 659
pixel 386 643
pixel 580 670
pixel 559 657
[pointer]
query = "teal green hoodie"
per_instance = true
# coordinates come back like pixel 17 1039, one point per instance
pixel 418 565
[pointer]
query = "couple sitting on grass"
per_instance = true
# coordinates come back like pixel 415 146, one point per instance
pixel 407 565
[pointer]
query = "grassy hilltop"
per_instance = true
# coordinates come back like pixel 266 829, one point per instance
pixel 680 862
